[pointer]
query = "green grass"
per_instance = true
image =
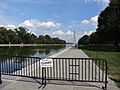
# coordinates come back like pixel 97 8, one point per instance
pixel 111 55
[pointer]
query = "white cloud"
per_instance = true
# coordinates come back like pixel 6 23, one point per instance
pixel 88 32
pixel 32 32
pixel 61 33
pixel 69 32
pixel 49 25
pixel 92 21
pixel 1 25
pixel 36 24
pixel 12 27
pixel 85 22
pixel 58 33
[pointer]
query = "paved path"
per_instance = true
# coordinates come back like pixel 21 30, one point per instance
pixel 18 83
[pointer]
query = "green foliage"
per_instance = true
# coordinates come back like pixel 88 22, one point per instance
pixel 21 35
pixel 92 39
pixel 109 23
pixel 108 31
pixel 84 40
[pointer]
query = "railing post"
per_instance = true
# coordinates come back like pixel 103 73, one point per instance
pixel 43 76
pixel 0 74
pixel 106 77
pixel 105 88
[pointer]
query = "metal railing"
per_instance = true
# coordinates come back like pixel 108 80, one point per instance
pixel 20 66
pixel 78 69
pixel 67 69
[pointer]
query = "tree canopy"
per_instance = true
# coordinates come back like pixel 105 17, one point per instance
pixel 108 31
pixel 21 35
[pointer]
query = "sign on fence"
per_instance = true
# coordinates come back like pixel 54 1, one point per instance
pixel 47 62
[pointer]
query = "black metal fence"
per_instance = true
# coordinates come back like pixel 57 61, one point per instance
pixel 68 69
pixel 78 69
pixel 20 66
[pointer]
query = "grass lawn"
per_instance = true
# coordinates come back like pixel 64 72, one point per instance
pixel 111 55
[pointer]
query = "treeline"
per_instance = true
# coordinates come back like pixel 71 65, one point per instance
pixel 108 31
pixel 21 35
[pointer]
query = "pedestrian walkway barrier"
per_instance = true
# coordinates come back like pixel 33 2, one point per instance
pixel 65 69
pixel 20 66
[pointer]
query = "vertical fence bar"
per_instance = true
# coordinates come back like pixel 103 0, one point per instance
pixel 39 69
pixel 85 68
pixel 79 69
pixel 99 69
pixel 42 76
pixel 63 67
pixel 106 75
pixel 0 73
pixel 21 67
pixel 36 69
pixel 31 68
pixel 72 69
pixel 82 69
pixel 45 76
pixel 14 65
pixel 102 70
pixel 75 69
pixel 9 65
pixel 25 66
pixel 88 69
pixel 56 69
pixel 60 68
pixel 68 61
pixel 66 68
pixel 92 70
pixel 1 64
pixel 95 69
pixel 18 66
pixel 53 69
pixel 5 65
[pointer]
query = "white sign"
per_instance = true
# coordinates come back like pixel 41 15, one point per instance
pixel 47 62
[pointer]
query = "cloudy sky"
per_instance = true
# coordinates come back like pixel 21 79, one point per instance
pixel 57 18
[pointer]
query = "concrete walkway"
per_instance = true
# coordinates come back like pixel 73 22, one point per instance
pixel 20 83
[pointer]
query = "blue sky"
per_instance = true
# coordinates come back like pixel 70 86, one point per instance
pixel 58 18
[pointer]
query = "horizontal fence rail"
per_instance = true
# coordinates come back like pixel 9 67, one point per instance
pixel 67 69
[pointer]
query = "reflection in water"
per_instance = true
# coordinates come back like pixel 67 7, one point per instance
pixel 41 51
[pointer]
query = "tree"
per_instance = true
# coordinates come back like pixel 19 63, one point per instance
pixel 40 39
pixel 84 40
pixel 109 23
pixel 93 38
pixel 21 35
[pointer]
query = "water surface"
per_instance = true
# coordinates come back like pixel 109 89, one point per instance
pixel 9 65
